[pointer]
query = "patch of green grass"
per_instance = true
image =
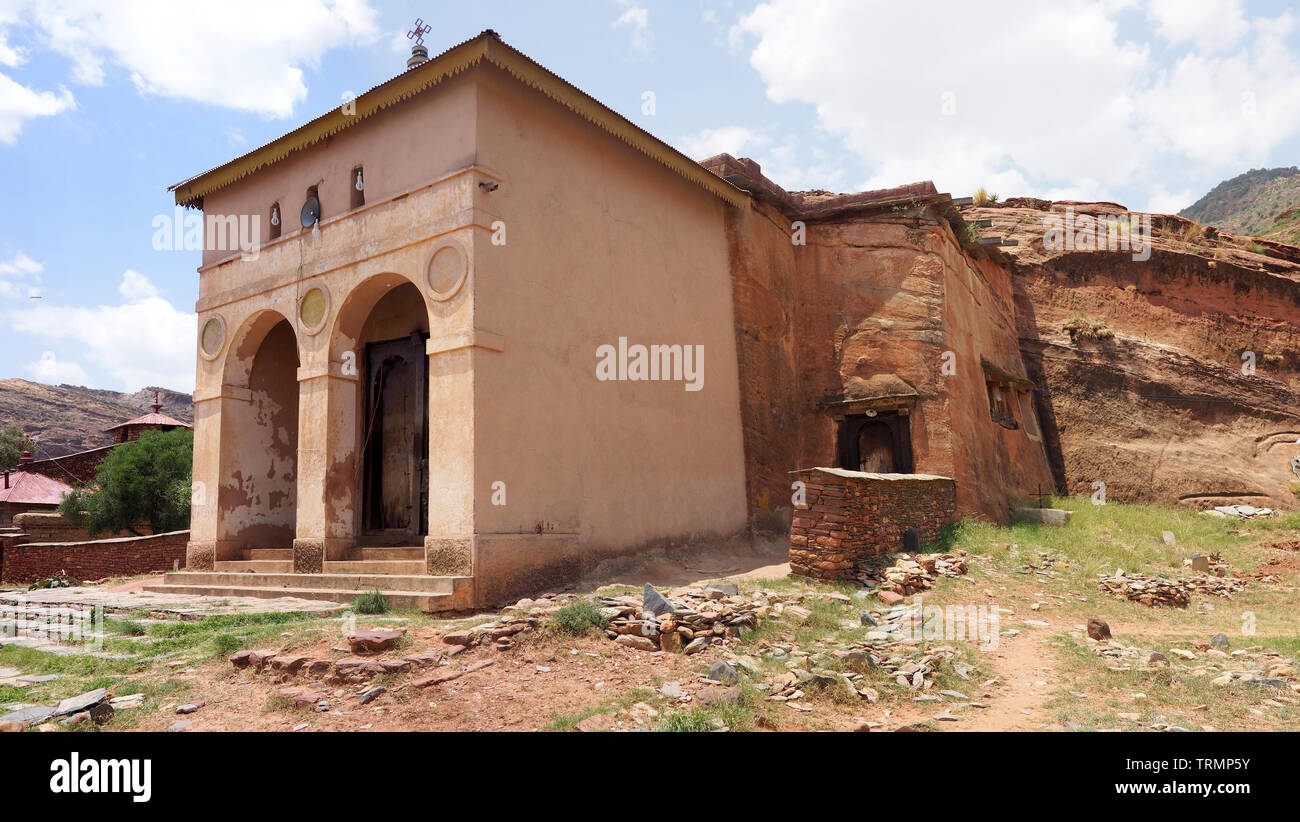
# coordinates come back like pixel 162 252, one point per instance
pixel 226 644
pixel 578 618
pixel 739 716
pixel 32 661
pixel 124 627
pixel 371 602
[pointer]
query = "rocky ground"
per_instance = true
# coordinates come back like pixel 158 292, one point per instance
pixel 1049 641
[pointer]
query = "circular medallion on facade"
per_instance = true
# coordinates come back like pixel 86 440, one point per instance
pixel 313 308
pixel 447 270
pixel 212 337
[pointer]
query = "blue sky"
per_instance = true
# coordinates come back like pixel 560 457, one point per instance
pixel 104 104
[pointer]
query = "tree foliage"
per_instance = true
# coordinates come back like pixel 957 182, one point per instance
pixel 146 481
pixel 13 442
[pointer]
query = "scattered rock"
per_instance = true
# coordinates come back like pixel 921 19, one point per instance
pixel 715 695
pixel 76 704
pixel 654 602
pixel 595 723
pixel 1098 629
pixel 696 645
pixel 180 725
pixel 373 694
pixel 889 597
pixel 373 641
pixel 640 643
pixel 1219 641
pixel 189 707
pixel 724 672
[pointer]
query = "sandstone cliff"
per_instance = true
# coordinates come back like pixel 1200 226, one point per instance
pixel 1171 379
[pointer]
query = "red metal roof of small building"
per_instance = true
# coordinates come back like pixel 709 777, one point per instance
pixel 152 418
pixel 33 489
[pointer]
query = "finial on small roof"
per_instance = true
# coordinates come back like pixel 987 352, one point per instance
pixel 157 403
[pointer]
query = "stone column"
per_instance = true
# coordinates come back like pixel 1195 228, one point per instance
pixel 326 494
pixel 207 543
pixel 449 549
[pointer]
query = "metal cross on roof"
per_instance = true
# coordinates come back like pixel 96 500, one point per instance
pixel 417 33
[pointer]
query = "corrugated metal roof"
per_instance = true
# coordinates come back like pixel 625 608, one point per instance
pixel 33 489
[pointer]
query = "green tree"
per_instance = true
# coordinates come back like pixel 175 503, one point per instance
pixel 13 442
pixel 146 481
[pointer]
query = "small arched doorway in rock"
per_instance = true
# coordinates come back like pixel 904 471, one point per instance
pixel 880 444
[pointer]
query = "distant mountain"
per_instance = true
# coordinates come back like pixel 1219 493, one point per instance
pixel 1263 202
pixel 64 419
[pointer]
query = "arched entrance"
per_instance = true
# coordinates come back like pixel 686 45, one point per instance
pixel 392 436
pixel 259 448
pixel 877 443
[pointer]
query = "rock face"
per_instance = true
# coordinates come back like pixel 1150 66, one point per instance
pixel 1172 379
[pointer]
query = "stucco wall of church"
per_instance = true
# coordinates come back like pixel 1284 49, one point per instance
pixel 601 243
pixel 418 182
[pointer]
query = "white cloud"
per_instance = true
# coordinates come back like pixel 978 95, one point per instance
pixel 18 104
pixel 136 287
pixel 1039 97
pixel 143 341
pixel 49 369
pixel 1169 202
pixel 1213 25
pixel 636 18
pixel 20 266
pixel 247 55
pixel 785 160
pixel 733 140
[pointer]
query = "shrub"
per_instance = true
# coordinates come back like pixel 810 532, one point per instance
pixel 578 618
pixel 984 197
pixel 143 481
pixel 1081 329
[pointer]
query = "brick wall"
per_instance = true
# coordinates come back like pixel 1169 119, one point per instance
pixel 52 527
pixel 849 515
pixel 90 560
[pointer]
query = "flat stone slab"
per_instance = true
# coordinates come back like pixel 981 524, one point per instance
pixel 1044 516
pixel 29 715
pixel 81 702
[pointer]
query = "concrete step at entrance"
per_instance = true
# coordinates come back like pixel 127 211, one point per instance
pixel 280 554
pixel 395 552
pixel 413 567
pixel 401 600
pixel 353 583
pixel 262 566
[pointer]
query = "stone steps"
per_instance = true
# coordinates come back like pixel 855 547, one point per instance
pixel 386 553
pixel 263 566
pixel 411 567
pixel 258 554
pixel 402 591
pixel 397 600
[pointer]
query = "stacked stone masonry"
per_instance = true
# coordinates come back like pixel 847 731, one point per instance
pixel 847 516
